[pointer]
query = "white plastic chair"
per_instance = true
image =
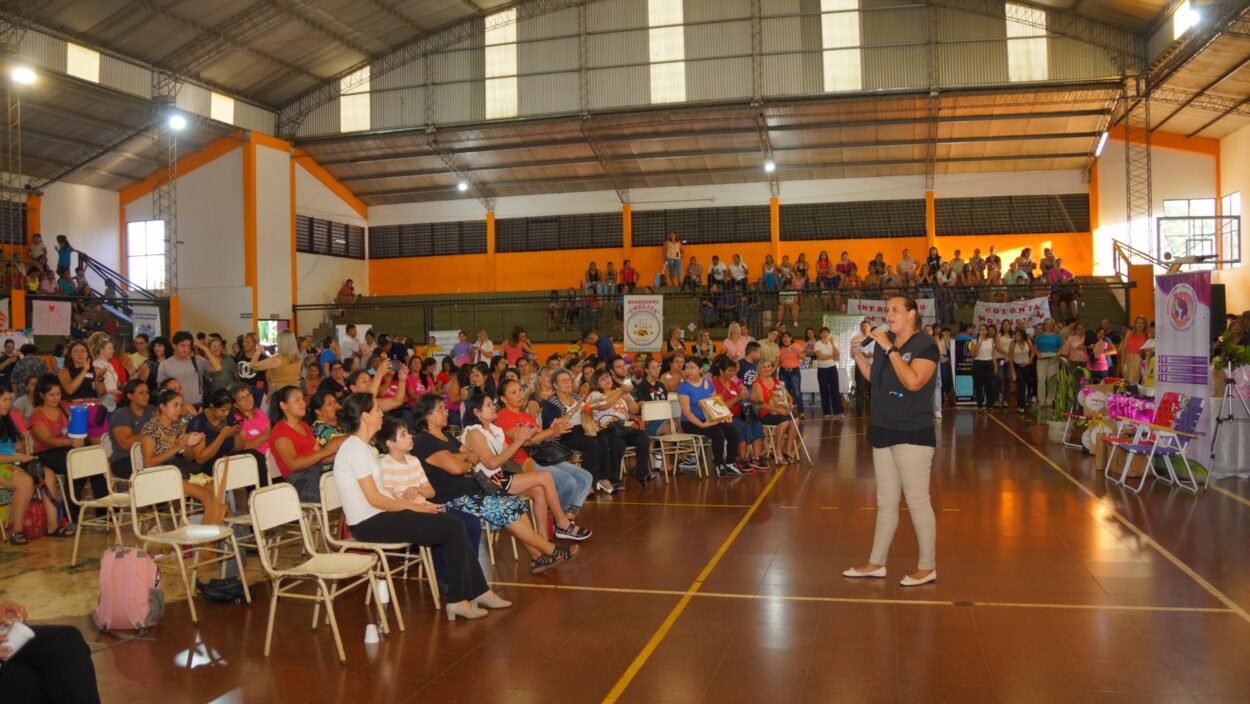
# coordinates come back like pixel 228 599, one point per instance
pixel 136 458
pixel 385 552
pixel 278 505
pixel 675 443
pixel 91 461
pixel 163 485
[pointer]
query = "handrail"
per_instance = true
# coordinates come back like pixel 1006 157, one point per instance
pixel 1122 255
pixel 126 287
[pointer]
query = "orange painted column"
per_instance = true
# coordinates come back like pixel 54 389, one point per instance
pixel 930 218
pixel 121 241
pixel 33 225
pixel 249 228
pixel 490 251
pixel 627 230
pixel 175 315
pixel 17 309
pixel 774 226
pixel 1141 298
pixel 294 257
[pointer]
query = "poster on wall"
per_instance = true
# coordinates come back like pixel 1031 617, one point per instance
pixel 147 321
pixel 1183 325
pixel 844 327
pixel 874 310
pixel 447 340
pixel 51 317
pixel 1033 311
pixel 644 323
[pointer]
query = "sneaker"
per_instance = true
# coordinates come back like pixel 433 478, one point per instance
pixel 722 472
pixel 743 466
pixel 735 470
pixel 759 465
pixel 687 465
pixel 840 416
pixel 938 415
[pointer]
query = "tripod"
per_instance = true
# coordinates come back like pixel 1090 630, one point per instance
pixel 1225 415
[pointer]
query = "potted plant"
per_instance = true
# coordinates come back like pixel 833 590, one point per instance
pixel 1229 355
pixel 1062 389
pixel 1038 428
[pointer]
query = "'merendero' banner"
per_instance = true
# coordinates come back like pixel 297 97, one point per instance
pixel 644 323
pixel 1033 311
pixel 874 311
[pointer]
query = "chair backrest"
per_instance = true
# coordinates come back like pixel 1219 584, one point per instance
pixel 155 486
pixel 1187 421
pixel 106 443
pixel 273 506
pixel 87 461
pixel 271 465
pixel 243 472
pixel 1169 406
pixel 330 502
pixel 136 458
pixel 656 410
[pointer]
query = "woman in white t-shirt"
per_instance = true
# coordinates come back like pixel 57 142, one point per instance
pixel 983 367
pixel 826 354
pixel 1002 364
pixel 738 272
pixel 374 515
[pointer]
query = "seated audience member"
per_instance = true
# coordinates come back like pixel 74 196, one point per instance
pixel 126 424
pixel 449 466
pixel 54 666
pixel 30 364
pixel 216 422
pixel 724 438
pixel 774 405
pixel 336 382
pixel 672 375
pixel 322 416
pixel 311 381
pixel 572 482
pixel 730 388
pixel 25 403
pixel 13 479
pixel 496 451
pixel 615 412
pixel 254 424
pixel 565 402
pixel 295 446
pixel 49 430
pixel 166 441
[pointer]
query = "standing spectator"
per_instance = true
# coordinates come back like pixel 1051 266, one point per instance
pixel 933 262
pixel 139 357
pixel 824 271
pixel 1101 353
pixel 790 357
pixel 1131 364
pixel 483 348
pixel 349 346
pixel 328 355
pixel 517 346
pixel 983 368
pixel 1023 355
pixel 593 279
pixel 462 351
pixel 768 346
pixel 250 352
pixel 604 349
pixel 977 262
pixel 827 355
pixel 8 362
pixel 672 258
pixel 37 247
pixel 183 367
pixel 1047 343
pixel 993 261
pixel 63 252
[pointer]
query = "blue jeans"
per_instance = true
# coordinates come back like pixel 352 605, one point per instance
pixel 572 483
pixel 830 395
pixel 673 267
pixel 793 379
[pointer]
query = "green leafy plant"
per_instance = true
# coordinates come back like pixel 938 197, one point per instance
pixel 1040 413
pixel 1063 386
pixel 1227 352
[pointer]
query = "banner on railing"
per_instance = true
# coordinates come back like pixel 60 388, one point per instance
pixel 147 321
pixel 1183 345
pixel 1033 311
pixel 874 310
pixel 50 317
pixel 644 323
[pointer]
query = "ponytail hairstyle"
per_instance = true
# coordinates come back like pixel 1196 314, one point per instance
pixel 352 407
pixel 278 398
pixel 720 363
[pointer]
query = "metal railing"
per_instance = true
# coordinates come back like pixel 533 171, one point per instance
pixel 96 313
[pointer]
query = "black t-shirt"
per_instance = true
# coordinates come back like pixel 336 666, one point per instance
pixel 446 486
pixel 646 391
pixel 329 384
pixel 900 416
pixel 257 378
pixel 200 424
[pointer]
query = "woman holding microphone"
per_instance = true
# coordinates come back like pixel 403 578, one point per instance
pixel 903 372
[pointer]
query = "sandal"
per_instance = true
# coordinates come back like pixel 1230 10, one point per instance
pixel 18 538
pixel 573 532
pixel 542 563
pixel 65 531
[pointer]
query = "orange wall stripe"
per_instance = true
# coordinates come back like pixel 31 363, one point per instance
pixel 121 239
pixel 185 165
pixel 175 315
pixel 249 227
pixel 294 254
pixel 930 217
pixel 327 179
pixel 33 219
pixel 490 251
pixel 17 309
pixel 1170 140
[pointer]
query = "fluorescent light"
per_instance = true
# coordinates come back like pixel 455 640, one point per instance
pixel 770 166
pixel 23 75
pixel 1102 142
pixel 177 122
pixel 462 186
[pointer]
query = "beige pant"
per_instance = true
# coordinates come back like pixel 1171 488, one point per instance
pixel 1046 368
pixel 904 470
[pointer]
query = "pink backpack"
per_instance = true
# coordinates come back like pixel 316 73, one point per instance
pixel 130 591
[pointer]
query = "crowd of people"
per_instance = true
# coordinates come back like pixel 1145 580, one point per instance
pixel 729 289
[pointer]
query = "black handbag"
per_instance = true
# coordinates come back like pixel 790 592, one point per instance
pixel 750 413
pixel 487 486
pixel 548 453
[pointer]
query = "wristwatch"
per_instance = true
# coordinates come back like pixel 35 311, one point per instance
pixel 890 351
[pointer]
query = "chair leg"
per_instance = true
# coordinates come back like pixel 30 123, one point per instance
pixel 427 560
pixel 73 560
pixel 490 545
pixel 377 600
pixel 116 518
pixel 275 587
pixel 182 567
pixel 515 555
pixel 399 616
pixel 238 561
pixel 334 626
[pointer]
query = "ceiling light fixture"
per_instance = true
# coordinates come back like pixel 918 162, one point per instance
pixel 1102 142
pixel 770 166
pixel 462 186
pixel 177 122
pixel 23 75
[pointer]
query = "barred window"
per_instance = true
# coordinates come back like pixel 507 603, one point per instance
pixel 336 239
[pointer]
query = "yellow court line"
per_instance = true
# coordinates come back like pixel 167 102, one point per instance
pixel 668 504
pixel 1141 534
pixel 873 601
pixel 656 638
pixel 1231 495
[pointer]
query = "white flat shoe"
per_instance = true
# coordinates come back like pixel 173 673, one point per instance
pixel 907 581
pixel 856 574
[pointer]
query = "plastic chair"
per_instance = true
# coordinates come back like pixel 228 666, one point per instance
pixel 163 485
pixel 90 461
pixel 1166 442
pixel 312 510
pixel 244 475
pixel 423 558
pixel 278 505
pixel 136 458
pixel 675 443
pixel 1125 432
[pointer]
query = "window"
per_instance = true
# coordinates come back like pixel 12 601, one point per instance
pixel 12 222
pixel 438 239
pixel 1027 55
pixel 221 108
pixel 1230 230
pixel 336 239
pixel 501 80
pixel 82 62
pixel 145 254
pixel 354 114
pixel 839 38
pixel 667 40
pixel 1183 19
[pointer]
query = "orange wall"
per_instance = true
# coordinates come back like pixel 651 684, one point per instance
pixel 543 271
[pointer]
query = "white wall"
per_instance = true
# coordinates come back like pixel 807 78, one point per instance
pixel 1174 174
pixel 813 191
pixel 88 216
pixel 273 233
pixel 320 276
pixel 1235 178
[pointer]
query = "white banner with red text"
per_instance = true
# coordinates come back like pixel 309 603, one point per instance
pixel 1032 311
